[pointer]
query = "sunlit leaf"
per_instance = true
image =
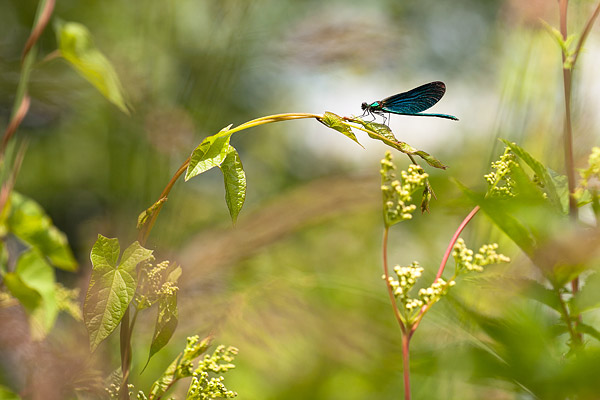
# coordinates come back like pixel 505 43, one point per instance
pixel 588 296
pixel 540 170
pixel 27 296
pixel 426 197
pixel 542 294
pixel 167 317
pixel 112 286
pixel 235 183
pixel 588 330
pixel 166 322
pixel 144 215
pixel 7 394
pixel 335 122
pixel 378 130
pixel 176 369
pixel 33 283
pixel 28 222
pixel 77 47
pixel 209 154
pixel 499 213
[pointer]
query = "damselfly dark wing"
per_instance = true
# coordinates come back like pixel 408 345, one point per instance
pixel 416 100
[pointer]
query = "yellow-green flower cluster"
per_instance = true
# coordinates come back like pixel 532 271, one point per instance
pixel 113 392
pixel 500 181
pixel 466 260
pixel 591 172
pixel 157 281
pixel 397 193
pixel 407 277
pixel 435 292
pixel 205 387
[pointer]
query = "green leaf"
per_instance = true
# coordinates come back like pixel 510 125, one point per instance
pixel 168 316
pixel 33 283
pixel 235 183
pixel 501 216
pixel 144 215
pixel 28 222
pixel 540 170
pixel 335 122
pixel 536 291
pixel 209 154
pixel 27 296
pixel 166 322
pixel 112 286
pixel 431 160
pixel 426 197
pixel 588 330
pixel 378 129
pixel 177 369
pixel 588 297
pixel 77 47
pixel 7 394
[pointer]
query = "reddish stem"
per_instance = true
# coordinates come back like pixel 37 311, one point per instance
pixel 455 237
pixel 15 122
pixel 459 230
pixel 406 365
pixel 37 30
pixel 386 274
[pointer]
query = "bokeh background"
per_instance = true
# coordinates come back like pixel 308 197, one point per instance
pixel 296 284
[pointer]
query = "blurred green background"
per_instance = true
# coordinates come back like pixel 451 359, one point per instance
pixel 296 285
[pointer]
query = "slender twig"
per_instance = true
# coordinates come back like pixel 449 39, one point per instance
pixel 147 227
pixel 42 18
pixel 455 237
pixel 457 233
pixel 386 275
pixel 568 320
pixel 15 122
pixel 568 131
pixel 403 327
pixel 585 33
pixel 406 365
pixel 125 343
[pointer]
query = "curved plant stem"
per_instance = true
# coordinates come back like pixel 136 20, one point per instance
pixel 457 233
pixel 22 101
pixel 386 275
pixel 145 230
pixel 575 337
pixel 406 365
pixel 568 130
pixel 405 334
pixel 455 237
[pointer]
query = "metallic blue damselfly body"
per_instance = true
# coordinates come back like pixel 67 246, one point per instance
pixel 410 103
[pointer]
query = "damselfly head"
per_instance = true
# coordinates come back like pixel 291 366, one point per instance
pixel 364 106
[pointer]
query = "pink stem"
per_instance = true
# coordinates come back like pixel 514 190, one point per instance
pixel 467 219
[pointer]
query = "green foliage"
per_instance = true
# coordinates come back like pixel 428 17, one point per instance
pixel 112 286
pixel 203 385
pixel 465 262
pixel 7 394
pixel 383 133
pixel 235 183
pixel 543 175
pixel 27 221
pixel 397 193
pixel 158 284
pixel 215 151
pixel 33 283
pixel 334 121
pixel 77 47
pixel 209 154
